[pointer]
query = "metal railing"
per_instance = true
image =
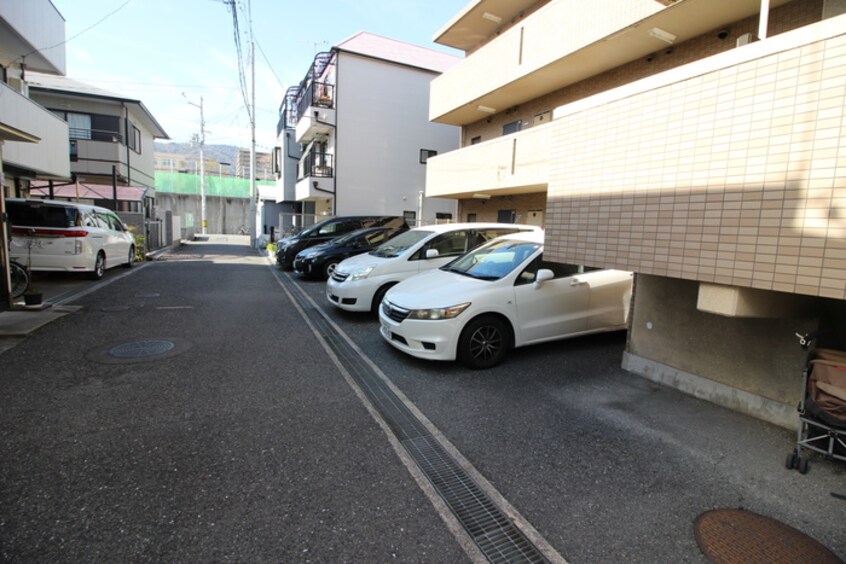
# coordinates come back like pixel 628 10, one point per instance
pixel 95 135
pixel 318 165
pixel 317 94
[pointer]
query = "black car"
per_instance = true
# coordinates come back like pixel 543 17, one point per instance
pixel 287 248
pixel 320 261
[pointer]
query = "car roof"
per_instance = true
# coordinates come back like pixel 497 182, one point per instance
pixel 527 236
pixel 447 227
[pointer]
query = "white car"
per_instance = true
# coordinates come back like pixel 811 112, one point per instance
pixel 56 236
pixel 360 282
pixel 499 296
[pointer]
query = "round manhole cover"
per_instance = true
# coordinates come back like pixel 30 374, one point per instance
pixel 140 349
pixel 735 535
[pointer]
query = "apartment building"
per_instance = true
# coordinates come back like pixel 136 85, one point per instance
pixel 354 136
pixel 697 143
pixel 33 141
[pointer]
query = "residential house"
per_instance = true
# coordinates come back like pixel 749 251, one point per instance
pixel 354 136
pixel 697 143
pixel 111 141
pixel 33 141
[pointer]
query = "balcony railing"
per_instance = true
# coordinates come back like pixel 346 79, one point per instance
pixel 318 165
pixel 95 135
pixel 316 94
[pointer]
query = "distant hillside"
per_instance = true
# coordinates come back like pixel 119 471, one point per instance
pixel 220 153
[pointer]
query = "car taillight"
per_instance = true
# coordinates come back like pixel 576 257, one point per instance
pixel 45 232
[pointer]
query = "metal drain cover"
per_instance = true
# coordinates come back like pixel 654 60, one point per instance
pixel 146 350
pixel 141 349
pixel 735 535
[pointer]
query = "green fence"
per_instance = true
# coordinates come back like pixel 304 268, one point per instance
pixel 215 185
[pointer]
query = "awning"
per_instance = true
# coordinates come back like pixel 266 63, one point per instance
pixel 88 191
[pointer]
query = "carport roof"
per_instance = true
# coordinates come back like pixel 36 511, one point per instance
pixel 89 191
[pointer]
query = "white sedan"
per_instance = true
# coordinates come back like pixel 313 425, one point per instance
pixel 499 296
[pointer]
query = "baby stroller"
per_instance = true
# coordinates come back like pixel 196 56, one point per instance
pixel 822 409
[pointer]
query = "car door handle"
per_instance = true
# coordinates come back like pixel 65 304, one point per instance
pixel 575 282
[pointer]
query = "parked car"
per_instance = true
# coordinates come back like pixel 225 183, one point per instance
pixel 360 282
pixel 49 235
pixel 320 261
pixel 288 247
pixel 499 296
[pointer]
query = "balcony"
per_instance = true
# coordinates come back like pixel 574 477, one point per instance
pixel 316 178
pixel 27 27
pixel 513 164
pixel 316 112
pixel 563 43
pixel 49 156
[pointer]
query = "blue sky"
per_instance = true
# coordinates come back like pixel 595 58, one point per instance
pixel 154 50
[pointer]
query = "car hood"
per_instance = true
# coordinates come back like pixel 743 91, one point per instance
pixel 360 262
pixel 436 288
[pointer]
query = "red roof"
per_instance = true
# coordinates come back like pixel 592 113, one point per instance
pixel 89 191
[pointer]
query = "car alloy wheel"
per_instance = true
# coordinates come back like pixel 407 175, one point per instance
pixel 484 342
pixel 99 266
pixel 329 269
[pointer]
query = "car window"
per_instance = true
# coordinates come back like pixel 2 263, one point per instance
pixel 493 260
pixel 375 238
pixel 90 220
pixel 454 243
pixel 560 270
pixel 401 243
pixel 38 215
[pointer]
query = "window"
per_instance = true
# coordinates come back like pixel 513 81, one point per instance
pixel 506 216
pixel 471 218
pixel 425 154
pixel 410 217
pixel 448 244
pixel 135 139
pixel 95 127
pixel 560 270
pixel 476 140
pixel 512 127
pixel 441 217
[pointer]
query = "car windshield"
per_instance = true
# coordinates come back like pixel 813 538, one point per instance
pixel 493 260
pixel 400 243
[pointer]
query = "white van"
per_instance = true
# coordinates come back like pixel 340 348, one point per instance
pixel 49 235
pixel 359 283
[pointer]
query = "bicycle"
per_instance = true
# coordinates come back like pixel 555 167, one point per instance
pixel 19 277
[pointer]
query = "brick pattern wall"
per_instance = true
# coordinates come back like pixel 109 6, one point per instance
pixel 736 176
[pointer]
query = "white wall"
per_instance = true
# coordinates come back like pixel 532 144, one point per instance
pixel 382 123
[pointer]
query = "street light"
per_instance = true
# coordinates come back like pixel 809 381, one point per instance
pixel 203 221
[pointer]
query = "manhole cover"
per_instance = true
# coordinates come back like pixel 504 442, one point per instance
pixel 735 535
pixel 140 349
pixel 146 350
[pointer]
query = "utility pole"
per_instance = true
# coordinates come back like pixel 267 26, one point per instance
pixel 254 221
pixel 202 142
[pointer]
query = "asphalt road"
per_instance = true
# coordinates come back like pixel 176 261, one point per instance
pixel 244 442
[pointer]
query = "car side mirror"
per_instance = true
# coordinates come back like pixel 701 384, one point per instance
pixel 432 253
pixel 542 276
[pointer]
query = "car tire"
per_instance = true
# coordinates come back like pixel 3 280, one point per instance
pixel 329 269
pixel 99 266
pixel 378 297
pixel 484 342
pixel 130 262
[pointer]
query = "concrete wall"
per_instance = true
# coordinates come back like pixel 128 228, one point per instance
pixel 224 215
pixel 382 123
pixel 751 365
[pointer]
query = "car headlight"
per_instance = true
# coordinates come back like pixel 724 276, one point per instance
pixel 438 312
pixel 362 274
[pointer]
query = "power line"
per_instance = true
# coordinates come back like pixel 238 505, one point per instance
pixel 89 28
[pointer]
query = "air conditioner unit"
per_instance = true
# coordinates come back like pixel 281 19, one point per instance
pixel 745 39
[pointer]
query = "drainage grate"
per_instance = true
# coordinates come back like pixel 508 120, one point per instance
pixel 496 535
pixel 141 349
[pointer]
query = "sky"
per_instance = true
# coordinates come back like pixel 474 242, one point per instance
pixel 171 53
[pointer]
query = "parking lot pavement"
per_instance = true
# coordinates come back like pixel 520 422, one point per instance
pixel 606 465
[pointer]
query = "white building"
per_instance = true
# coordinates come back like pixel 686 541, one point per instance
pixel 33 141
pixel 354 136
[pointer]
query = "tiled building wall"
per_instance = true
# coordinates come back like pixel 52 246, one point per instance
pixel 785 18
pixel 736 176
